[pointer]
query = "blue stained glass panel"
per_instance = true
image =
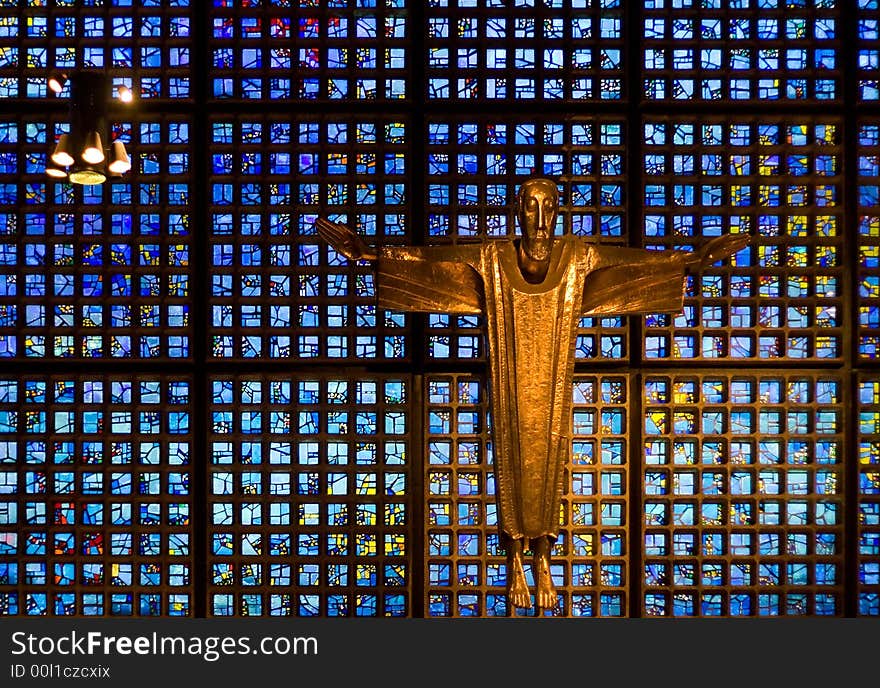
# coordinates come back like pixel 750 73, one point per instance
pixel 327 513
pixel 147 48
pixel 746 498
pixel 572 52
pixel 765 51
pixel 98 521
pixel 780 297
pixel 96 272
pixel 351 51
pixel 277 291
pixel 869 497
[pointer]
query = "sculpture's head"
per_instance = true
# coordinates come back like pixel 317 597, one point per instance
pixel 537 203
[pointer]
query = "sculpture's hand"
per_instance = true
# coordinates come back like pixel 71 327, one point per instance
pixel 719 248
pixel 344 240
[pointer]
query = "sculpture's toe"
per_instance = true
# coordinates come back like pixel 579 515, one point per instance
pixel 520 599
pixel 518 591
pixel 547 599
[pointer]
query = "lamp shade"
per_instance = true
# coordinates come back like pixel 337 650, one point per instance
pixel 119 161
pixel 93 151
pixel 62 155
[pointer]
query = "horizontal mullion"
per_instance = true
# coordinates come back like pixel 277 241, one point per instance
pixel 184 367
pixel 439 107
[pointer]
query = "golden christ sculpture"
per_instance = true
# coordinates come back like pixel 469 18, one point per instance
pixel 533 293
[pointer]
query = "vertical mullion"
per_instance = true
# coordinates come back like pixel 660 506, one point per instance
pixel 200 276
pixel 418 89
pixel 633 190
pixel 850 343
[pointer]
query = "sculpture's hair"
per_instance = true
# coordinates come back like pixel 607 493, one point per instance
pixel 533 181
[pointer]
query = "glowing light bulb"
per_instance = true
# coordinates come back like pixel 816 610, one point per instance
pixel 56 82
pixel 93 152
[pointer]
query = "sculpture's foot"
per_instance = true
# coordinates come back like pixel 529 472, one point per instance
pixel 545 591
pixel 518 591
pixel 517 587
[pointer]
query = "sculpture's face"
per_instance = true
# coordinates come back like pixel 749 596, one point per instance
pixel 537 205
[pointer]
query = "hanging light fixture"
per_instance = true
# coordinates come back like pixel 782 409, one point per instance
pixel 87 155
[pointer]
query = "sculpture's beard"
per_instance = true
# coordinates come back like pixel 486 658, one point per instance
pixel 538 249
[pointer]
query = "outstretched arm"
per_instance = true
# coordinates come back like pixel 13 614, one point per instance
pixel 414 278
pixel 349 244
pixel 627 280
pixel 344 240
pixel 714 250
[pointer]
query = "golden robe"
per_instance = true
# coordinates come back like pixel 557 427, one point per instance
pixel 531 331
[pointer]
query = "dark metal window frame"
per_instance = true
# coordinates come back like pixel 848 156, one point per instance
pixel 417 110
